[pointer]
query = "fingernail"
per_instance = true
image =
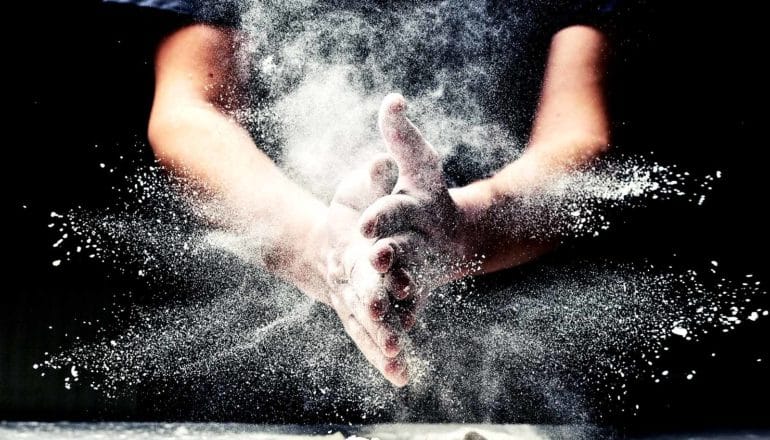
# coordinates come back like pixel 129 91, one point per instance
pixel 382 259
pixel 368 229
pixel 397 103
pixel 401 287
pixel 378 309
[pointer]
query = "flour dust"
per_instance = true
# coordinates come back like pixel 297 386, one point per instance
pixel 527 347
pixel 475 351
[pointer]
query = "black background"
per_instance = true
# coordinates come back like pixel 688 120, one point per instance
pixel 686 84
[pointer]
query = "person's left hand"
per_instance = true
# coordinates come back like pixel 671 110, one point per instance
pixel 419 229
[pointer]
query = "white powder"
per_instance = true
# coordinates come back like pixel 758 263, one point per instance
pixel 679 331
pixel 241 327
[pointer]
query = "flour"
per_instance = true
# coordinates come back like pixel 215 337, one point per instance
pixel 556 334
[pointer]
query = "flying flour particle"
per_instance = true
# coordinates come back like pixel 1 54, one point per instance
pixel 679 331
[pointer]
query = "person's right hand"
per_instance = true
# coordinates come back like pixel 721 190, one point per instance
pixel 358 292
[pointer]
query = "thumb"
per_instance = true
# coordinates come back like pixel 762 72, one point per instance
pixel 418 162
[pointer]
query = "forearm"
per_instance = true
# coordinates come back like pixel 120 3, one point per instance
pixel 504 224
pixel 570 131
pixel 197 75
pixel 245 191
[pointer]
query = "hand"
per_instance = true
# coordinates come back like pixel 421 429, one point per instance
pixel 419 229
pixel 357 292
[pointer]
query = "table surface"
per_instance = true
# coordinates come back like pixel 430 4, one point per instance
pixel 225 431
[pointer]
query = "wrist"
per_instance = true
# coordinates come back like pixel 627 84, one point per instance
pixel 489 235
pixel 297 252
pixel 311 264
pixel 475 203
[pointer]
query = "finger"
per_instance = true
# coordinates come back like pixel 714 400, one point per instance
pixel 370 291
pixel 418 162
pixel 408 309
pixel 393 369
pixel 383 174
pixel 365 185
pixel 401 250
pixel 399 284
pixel 382 258
pixel 391 214
pixel 369 303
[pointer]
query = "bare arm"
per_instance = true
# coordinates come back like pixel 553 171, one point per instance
pixel 190 132
pixel 571 129
pixel 461 224
pixel 295 234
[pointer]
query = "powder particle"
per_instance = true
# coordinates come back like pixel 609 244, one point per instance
pixel 679 331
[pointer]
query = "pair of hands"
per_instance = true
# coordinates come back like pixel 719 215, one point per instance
pixel 394 234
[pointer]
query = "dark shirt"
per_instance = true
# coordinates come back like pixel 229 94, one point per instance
pixel 179 6
pixel 593 12
pixel 224 12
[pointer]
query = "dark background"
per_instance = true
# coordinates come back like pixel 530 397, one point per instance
pixel 686 84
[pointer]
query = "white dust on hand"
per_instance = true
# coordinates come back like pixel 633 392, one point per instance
pixel 322 74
